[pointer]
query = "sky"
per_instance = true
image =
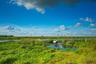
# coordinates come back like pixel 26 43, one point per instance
pixel 47 18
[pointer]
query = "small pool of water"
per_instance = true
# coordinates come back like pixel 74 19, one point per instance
pixel 9 40
pixel 62 48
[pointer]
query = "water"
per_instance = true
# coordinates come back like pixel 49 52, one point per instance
pixel 62 48
pixel 9 40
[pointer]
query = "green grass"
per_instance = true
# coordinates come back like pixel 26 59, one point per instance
pixel 29 51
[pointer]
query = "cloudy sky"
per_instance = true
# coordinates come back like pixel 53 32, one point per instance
pixel 48 17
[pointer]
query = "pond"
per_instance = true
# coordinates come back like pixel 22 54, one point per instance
pixel 62 48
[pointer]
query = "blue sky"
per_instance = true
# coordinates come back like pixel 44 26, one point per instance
pixel 32 19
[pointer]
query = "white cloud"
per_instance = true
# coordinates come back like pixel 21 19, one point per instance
pixel 62 28
pixel 40 10
pixel 87 19
pixel 78 24
pixel 26 31
pixel 92 25
pixel 29 4
pixel 43 31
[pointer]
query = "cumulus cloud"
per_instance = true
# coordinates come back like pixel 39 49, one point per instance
pixel 31 31
pixel 63 27
pixel 43 31
pixel 29 4
pixel 78 24
pixel 92 25
pixel 12 28
pixel 87 19
pixel 26 31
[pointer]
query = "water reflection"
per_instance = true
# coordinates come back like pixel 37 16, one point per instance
pixel 9 40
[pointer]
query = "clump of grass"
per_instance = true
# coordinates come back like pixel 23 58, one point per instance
pixel 8 60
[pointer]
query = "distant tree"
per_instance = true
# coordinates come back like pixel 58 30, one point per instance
pixel 6 36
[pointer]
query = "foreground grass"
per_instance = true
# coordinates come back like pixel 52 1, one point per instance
pixel 28 51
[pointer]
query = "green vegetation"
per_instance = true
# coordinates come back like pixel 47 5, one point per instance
pixel 6 36
pixel 31 50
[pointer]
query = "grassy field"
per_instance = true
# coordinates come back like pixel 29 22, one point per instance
pixel 34 50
